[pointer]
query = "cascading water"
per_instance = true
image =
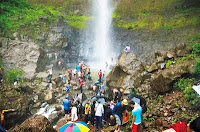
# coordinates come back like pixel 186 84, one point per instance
pixel 98 48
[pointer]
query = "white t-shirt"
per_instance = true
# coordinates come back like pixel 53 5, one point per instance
pixel 74 112
pixel 99 109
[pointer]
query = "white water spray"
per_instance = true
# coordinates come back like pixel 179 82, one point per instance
pixel 99 36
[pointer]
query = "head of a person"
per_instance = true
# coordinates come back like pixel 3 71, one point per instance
pixel 195 125
pixel 67 97
pixel 100 69
pixel 124 102
pixel 101 83
pixel 132 104
pixel 99 101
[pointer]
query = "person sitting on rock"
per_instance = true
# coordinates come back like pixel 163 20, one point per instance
pixel 117 112
pixel 194 126
pixel 127 49
pixel 66 104
pixel 2 112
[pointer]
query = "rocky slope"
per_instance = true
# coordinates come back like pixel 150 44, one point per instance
pixel 154 82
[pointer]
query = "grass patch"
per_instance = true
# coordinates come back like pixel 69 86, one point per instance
pixel 30 19
pixel 185 85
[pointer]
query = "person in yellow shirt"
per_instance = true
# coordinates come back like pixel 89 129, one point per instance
pixel 87 110
pixel 2 116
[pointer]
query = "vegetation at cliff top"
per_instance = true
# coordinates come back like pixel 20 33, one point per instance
pixel 152 15
pixel 16 15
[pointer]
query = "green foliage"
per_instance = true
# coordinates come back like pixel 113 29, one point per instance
pixel 196 48
pixel 77 22
pixel 185 85
pixel 21 16
pixel 197 67
pixel 186 58
pixel 169 62
pixel 12 74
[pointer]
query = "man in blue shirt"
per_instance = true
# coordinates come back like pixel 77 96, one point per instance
pixel 67 104
pixel 118 111
pixel 136 113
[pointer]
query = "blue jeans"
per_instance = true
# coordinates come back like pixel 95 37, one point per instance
pixel 99 122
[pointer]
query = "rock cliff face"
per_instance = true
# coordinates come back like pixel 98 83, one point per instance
pixel 17 54
pixel 33 55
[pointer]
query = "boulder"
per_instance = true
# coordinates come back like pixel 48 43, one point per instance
pixel 161 53
pixel 42 75
pixel 130 64
pixel 50 97
pixel 54 117
pixel 170 55
pixel 162 81
pixel 152 68
pixel 37 123
pixel 127 73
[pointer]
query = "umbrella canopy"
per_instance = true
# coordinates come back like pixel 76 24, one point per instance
pixel 196 88
pixel 76 126
pixel 99 98
pixel 140 100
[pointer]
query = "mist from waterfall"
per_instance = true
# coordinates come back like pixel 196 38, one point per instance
pixel 98 48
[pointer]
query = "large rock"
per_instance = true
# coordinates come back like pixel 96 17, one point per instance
pixel 37 123
pixel 50 97
pixel 127 73
pixel 162 81
pixel 17 54
pixel 130 64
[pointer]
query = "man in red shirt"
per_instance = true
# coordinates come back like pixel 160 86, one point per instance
pixel 100 75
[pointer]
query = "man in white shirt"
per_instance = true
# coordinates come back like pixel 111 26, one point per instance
pixel 74 116
pixel 99 114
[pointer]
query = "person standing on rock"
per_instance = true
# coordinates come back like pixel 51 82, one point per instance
pixel 92 113
pixel 117 112
pixel 68 86
pixel 101 89
pixel 2 112
pixel 50 83
pixel 1 76
pixel 100 75
pixel 74 116
pixel 81 84
pixel 66 104
pixel 87 111
pixel 99 114
pixel 136 113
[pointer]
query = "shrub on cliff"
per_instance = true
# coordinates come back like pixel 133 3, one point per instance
pixel 13 74
pixel 197 67
pixel 196 48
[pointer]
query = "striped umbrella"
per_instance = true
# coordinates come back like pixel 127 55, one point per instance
pixel 76 126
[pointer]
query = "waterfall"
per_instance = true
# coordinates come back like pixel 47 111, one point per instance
pixel 98 48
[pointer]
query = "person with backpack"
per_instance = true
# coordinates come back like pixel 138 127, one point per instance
pixel 117 112
pixel 92 116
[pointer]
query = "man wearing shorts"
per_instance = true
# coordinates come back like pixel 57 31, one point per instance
pixel 67 104
pixel 117 112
